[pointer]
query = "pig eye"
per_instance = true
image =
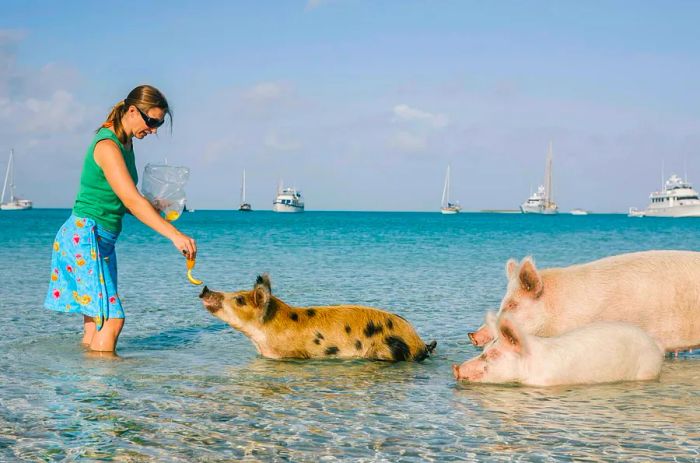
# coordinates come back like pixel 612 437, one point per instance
pixel 240 300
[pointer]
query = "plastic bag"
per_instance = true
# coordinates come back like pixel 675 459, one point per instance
pixel 164 187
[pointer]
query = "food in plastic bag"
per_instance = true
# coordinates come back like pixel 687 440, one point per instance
pixel 164 187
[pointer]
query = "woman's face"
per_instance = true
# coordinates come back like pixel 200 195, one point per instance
pixel 138 124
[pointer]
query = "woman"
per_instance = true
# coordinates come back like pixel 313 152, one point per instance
pixel 84 263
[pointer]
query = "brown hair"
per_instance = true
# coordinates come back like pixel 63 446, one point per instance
pixel 144 97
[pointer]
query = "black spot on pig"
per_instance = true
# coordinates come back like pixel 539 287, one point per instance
pixel 348 329
pixel 294 316
pixel 399 349
pixel 390 324
pixel 371 329
pixel 319 335
pixel 358 345
pixel 310 312
pixel 332 350
pixel 317 341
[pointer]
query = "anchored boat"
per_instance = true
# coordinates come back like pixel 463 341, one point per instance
pixel 542 201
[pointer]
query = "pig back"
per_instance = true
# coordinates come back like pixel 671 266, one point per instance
pixel 655 290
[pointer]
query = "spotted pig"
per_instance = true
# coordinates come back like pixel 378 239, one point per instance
pixel 343 331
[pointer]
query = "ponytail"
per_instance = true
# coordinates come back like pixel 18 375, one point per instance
pixel 114 120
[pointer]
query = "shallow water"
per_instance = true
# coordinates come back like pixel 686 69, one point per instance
pixel 186 387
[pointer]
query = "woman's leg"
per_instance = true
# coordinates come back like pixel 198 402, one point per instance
pixel 105 340
pixel 89 330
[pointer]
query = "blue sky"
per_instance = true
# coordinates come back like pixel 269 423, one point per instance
pixel 363 104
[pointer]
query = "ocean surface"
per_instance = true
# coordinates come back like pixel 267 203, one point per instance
pixel 186 387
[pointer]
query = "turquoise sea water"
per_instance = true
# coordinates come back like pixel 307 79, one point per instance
pixel 186 387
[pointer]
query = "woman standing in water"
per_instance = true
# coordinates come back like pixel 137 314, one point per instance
pixel 84 262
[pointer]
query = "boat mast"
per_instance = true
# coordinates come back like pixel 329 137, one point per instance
pixel 663 166
pixel 548 178
pixel 243 188
pixel 7 177
pixel 446 188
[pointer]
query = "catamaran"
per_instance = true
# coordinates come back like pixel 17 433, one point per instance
pixel 15 203
pixel 244 207
pixel 541 201
pixel 677 198
pixel 446 206
pixel 287 200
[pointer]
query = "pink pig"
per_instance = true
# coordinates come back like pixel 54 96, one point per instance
pixel 657 290
pixel 601 352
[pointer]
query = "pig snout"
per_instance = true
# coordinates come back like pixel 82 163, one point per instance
pixel 480 337
pixel 469 371
pixel 211 299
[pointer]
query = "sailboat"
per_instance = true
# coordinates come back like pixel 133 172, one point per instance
pixel 244 207
pixel 541 201
pixel 448 207
pixel 15 203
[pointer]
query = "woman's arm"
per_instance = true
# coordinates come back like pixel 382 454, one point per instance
pixel 109 158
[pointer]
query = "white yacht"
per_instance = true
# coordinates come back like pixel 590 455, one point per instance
pixel 677 198
pixel 577 211
pixel 541 201
pixel 446 206
pixel 15 203
pixel 288 200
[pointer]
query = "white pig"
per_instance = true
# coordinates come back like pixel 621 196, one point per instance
pixel 601 352
pixel 657 290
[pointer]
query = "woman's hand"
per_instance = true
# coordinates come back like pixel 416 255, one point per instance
pixel 185 245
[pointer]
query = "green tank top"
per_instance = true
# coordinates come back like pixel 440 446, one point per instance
pixel 96 199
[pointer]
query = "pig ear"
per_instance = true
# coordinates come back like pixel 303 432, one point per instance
pixel 264 280
pixel 530 279
pixel 510 336
pixel 511 267
pixel 262 298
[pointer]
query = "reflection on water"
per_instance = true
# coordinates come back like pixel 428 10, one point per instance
pixel 185 405
pixel 186 387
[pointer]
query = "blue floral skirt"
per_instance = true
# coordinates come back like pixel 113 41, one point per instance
pixel 84 271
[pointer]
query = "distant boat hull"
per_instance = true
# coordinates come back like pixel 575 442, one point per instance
pixel 288 208
pixel 672 212
pixel 450 210
pixel 527 209
pixel 578 212
pixel 245 207
pixel 20 205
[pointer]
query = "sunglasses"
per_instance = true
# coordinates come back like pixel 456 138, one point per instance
pixel 151 122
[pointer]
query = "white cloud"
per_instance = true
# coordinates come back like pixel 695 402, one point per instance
pixel 408 142
pixel 267 92
pixel 60 112
pixel 406 113
pixel 274 141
